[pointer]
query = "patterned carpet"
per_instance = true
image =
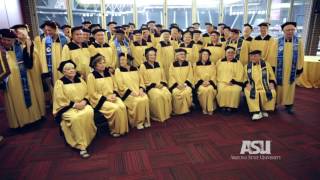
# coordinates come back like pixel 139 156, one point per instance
pixel 192 146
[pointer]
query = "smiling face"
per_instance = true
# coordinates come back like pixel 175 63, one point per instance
pixel 123 61
pixel 69 71
pixel 166 36
pixel 100 65
pixel 181 56
pixel 7 42
pixel 49 31
pixel 263 30
pixel 255 58
pixel 204 56
pixel 187 38
pixel 289 31
pixel 230 54
pixel 99 37
pixel 77 36
pixel 214 37
pixel 247 31
pixel 151 56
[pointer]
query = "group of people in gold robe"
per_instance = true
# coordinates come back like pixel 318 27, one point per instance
pixel 132 76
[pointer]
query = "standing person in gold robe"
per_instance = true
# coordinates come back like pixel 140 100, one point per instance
pixel 197 39
pixel 78 52
pixel 205 82
pixel 226 34
pixel 102 47
pixel 111 31
pixel 247 30
pixel 156 87
pixel 138 48
pixel 72 110
pixel 289 65
pixel 242 46
pixel 206 36
pixel 146 35
pixel 265 43
pixel 165 51
pixel 220 30
pixel 215 47
pixel 188 45
pixel 132 91
pixel 259 86
pixel 120 45
pixel 229 78
pixel 21 98
pixel 181 83
pixel 103 97
pixel 66 29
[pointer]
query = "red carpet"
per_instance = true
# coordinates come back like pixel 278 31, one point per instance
pixel 186 147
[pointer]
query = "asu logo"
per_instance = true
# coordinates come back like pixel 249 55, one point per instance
pixel 256 147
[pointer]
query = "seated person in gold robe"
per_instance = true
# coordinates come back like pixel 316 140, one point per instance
pixel 103 96
pixel 156 87
pixel 181 83
pixel 260 86
pixel 132 91
pixel 72 110
pixel 205 82
pixel 229 78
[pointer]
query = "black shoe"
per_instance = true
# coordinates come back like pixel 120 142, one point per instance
pixel 290 110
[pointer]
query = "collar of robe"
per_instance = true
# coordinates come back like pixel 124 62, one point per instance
pixel 288 40
pixel 150 66
pixel 234 60
pixel 199 42
pixel 143 43
pixel 188 46
pixel 207 63
pixel 177 64
pixel 97 45
pixel 266 38
pixel 97 75
pixel 205 35
pixel 165 44
pixel 215 45
pixel 132 68
pixel 76 79
pixel 74 46
pixel 248 39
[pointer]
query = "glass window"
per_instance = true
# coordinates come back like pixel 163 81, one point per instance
pixel 300 7
pixel 180 12
pixel 149 10
pixel 119 11
pixel 52 10
pixel 279 14
pixel 208 11
pixel 257 13
pixel 86 10
pixel 233 13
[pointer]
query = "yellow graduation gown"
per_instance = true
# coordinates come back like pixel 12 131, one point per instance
pixel 159 98
pixel 138 51
pixel 206 95
pixel 122 48
pixel 106 50
pixel 77 125
pixel 229 95
pixel 267 46
pixel 192 52
pixel 99 87
pixel 260 95
pixel 137 107
pixel 286 92
pixel 206 38
pixel 244 50
pixel 181 75
pixel 165 55
pixel 16 110
pixel 217 51
pixel 79 55
pixel 56 49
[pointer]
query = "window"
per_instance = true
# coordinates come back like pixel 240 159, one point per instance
pixel 52 10
pixel 299 13
pixel 233 13
pixel 119 11
pixel 180 12
pixel 279 14
pixel 86 10
pixel 257 13
pixel 150 10
pixel 208 11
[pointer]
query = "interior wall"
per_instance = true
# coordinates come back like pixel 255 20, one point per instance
pixel 10 13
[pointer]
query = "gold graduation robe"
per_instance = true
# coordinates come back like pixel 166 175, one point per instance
pixel 79 55
pixel 217 51
pixel 229 95
pixel 206 95
pixel 243 51
pixel 286 91
pixel 181 74
pixel 267 46
pixel 99 88
pixel 77 125
pixel 129 81
pixel 260 95
pixel 106 50
pixel 159 98
pixel 17 112
pixel 138 51
pixel 165 55
pixel 192 52
pixel 116 52
pixel 206 38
